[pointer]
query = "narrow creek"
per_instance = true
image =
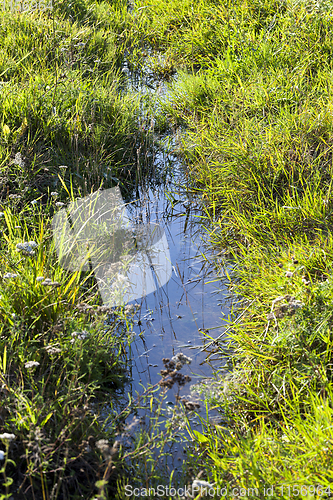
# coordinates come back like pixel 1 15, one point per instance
pixel 173 320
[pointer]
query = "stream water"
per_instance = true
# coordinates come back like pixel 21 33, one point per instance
pixel 174 318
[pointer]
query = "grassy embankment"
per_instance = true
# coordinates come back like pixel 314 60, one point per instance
pixel 254 92
pixel 255 98
pixel 65 130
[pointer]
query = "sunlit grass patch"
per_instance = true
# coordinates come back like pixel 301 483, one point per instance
pixel 25 291
pixel 75 122
pixel 58 363
pixel 40 41
pixel 62 101
pixel 294 455
pixel 253 100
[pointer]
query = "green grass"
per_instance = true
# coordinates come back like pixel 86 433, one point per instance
pixel 253 103
pixel 66 128
pixel 293 459
pixel 62 101
pixel 49 407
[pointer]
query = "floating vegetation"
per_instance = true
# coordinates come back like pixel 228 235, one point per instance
pixel 171 375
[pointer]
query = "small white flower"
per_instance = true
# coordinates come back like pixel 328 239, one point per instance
pixel 10 275
pixel 80 335
pixel 27 247
pixel 39 278
pixel 296 304
pixel 14 196
pixel 52 350
pixel 289 274
pixel 2 214
pixel 102 443
pixel 197 485
pixel 31 364
pixel 47 282
pixel 60 204
pixel 2 455
pixel 18 156
pixel 54 193
pixel 7 437
pixel 181 358
pixel 33 202
pixel 63 166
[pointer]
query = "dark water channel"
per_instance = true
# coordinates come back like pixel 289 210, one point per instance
pixel 174 318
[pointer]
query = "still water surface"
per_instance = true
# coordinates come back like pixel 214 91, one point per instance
pixel 173 319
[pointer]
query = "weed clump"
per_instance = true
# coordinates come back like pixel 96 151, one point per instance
pixel 171 375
